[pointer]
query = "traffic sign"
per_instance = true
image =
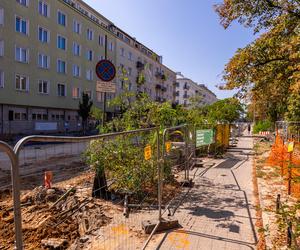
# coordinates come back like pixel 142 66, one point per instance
pixel 107 87
pixel 291 147
pixel 204 137
pixel 105 70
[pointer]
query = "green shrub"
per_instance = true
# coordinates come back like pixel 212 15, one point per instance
pixel 262 126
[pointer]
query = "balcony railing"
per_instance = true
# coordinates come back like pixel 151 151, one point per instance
pixel 186 87
pixel 140 65
pixel 158 86
pixel 176 93
pixel 186 96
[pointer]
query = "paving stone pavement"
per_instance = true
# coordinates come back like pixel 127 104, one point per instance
pixel 218 212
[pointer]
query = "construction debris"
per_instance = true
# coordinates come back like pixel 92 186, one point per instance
pixel 54 218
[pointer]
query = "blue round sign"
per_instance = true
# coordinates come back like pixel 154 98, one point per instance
pixel 105 70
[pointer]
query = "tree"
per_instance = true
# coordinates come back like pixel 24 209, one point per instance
pixel 267 70
pixel 85 106
pixel 227 111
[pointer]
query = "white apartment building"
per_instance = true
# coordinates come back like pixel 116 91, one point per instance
pixel 186 88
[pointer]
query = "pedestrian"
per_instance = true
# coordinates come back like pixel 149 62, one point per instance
pixel 249 129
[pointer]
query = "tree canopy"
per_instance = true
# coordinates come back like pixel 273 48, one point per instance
pixel 267 70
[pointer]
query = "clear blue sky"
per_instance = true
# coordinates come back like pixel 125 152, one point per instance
pixel 186 33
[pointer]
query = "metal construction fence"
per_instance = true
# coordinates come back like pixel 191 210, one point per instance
pixel 136 174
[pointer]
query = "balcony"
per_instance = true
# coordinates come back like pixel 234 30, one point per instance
pixel 176 93
pixel 186 96
pixel 158 86
pixel 163 88
pixel 140 65
pixel 161 76
pixel 186 87
pixel 158 99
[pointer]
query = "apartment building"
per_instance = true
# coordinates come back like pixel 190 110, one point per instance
pixel 48 53
pixel 186 89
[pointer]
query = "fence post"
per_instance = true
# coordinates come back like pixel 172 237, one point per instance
pixel 160 170
pixel 289 234
pixel 278 204
pixel 290 174
pixel 15 178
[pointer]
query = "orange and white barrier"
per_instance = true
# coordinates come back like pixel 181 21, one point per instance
pixel 264 132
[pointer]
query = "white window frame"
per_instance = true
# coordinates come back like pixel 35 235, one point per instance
pixel 79 92
pixel 65 88
pixel 66 42
pixel 75 68
pixel 101 40
pixel 89 75
pixel 48 34
pixel 27 25
pixel 27 54
pixel 66 19
pixel 27 83
pixel 75 44
pixel 2 79
pixel 111 46
pixel 48 87
pixel 75 23
pixel 1 48
pixel 48 8
pixel 88 55
pixel 48 61
pixel 57 66
pixel 88 33
pixel 26 3
pixel 1 16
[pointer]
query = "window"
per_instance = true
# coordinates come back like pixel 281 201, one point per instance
pixel 89 75
pixel 76 49
pixel 130 56
pixel 2 48
pixel 61 90
pixel 111 46
pixel 90 34
pixel 129 71
pixel 61 42
pixel 21 55
pixel 43 35
pixel 89 93
pixel 22 83
pixel 100 96
pixel 43 61
pixel 76 27
pixel 76 92
pixel 76 70
pixel 43 87
pixel 1 78
pixel 122 52
pixel 23 2
pixel 61 66
pixel 61 18
pixel 1 16
pixel 90 55
pixel 44 9
pixel 101 40
pixel 21 25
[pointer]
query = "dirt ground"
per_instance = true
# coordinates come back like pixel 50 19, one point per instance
pixel 271 184
pixel 71 219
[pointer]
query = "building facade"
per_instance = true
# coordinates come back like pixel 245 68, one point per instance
pixel 186 89
pixel 48 53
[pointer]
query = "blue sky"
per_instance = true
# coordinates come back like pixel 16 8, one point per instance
pixel 186 33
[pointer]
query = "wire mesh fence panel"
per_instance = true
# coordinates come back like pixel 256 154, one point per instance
pixel 93 192
pixel 5 172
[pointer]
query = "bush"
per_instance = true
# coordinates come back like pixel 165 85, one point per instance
pixel 262 126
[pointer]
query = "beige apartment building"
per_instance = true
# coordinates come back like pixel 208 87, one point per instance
pixel 186 89
pixel 48 53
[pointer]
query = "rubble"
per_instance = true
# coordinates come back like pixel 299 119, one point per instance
pixel 54 218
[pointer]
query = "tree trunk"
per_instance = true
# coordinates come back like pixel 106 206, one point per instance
pixel 100 189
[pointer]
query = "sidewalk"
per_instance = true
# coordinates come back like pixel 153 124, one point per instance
pixel 218 212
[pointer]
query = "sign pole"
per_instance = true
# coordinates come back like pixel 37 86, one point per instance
pixel 104 97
